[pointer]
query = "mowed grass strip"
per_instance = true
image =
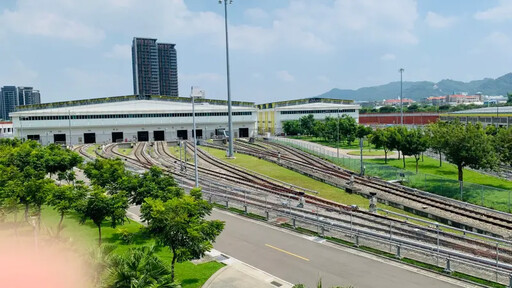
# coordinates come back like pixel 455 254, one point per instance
pixel 280 173
pixel 448 170
pixel 367 153
pixel 125 151
pixel 90 150
pixel 325 190
pixel 84 237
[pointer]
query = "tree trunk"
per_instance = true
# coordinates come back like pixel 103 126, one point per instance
pixel 99 233
pixel 26 212
pixel 461 177
pixel 174 257
pixel 417 160
pixel 38 218
pixel 59 228
pixel 403 158
pixel 398 154
pixel 385 157
pixel 440 159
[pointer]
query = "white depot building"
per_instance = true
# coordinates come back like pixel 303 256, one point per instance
pixel 131 118
pixel 271 116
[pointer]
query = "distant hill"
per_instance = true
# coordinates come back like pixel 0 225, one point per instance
pixel 422 89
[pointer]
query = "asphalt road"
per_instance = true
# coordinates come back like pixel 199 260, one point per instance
pixel 299 260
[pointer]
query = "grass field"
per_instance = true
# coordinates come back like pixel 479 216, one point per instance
pixel 84 237
pixel 90 149
pixel 175 151
pixel 343 145
pixel 325 190
pixel 125 151
pixel 367 153
pixel 448 170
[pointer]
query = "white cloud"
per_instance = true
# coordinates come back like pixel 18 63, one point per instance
pixel 501 12
pixel 49 24
pixel 123 52
pixel 17 73
pixel 256 14
pixel 285 76
pixel 435 20
pixel 388 57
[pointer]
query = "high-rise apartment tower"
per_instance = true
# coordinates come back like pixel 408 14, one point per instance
pixel 155 68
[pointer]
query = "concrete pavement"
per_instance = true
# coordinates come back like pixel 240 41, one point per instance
pixel 301 259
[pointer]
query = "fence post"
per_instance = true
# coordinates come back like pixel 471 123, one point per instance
pixel 398 255
pixel 266 214
pixel 508 201
pixel 293 221
pixel 356 244
pixel 509 281
pixel 227 204
pixel 448 268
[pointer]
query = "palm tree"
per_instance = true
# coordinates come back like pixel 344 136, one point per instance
pixel 137 269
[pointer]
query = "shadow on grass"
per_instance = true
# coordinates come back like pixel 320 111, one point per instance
pixel 189 281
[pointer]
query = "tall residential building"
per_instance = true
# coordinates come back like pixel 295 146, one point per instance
pixel 155 69
pixel 8 100
pixel 28 96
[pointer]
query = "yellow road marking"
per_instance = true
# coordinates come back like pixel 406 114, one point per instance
pixel 289 253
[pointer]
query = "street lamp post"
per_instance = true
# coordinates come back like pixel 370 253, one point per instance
pixel 195 136
pixel 338 136
pixel 401 98
pixel 230 120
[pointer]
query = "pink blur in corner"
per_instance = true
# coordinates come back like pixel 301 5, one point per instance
pixel 22 266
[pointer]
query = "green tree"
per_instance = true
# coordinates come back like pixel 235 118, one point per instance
pixel 414 144
pixel 395 136
pixel 380 138
pixel 503 145
pixel 469 146
pixel 348 128
pixel 387 109
pixel 155 184
pixel 65 198
pixel 56 159
pixel 139 268
pixel 436 133
pixel 110 174
pixel 509 98
pixel 98 206
pixel 292 127
pixel 307 123
pixel 179 224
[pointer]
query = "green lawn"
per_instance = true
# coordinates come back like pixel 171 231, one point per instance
pixel 175 151
pixel 280 173
pixel 90 149
pixel 448 170
pixel 125 151
pixel 85 236
pixel 367 153
pixel 343 145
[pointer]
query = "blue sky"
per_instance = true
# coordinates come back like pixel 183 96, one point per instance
pixel 284 49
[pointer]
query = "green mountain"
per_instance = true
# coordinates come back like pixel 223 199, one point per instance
pixel 422 89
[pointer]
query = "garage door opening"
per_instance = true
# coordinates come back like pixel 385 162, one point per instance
pixel 117 137
pixel 34 137
pixel 159 135
pixel 142 136
pixel 199 133
pixel 59 138
pixel 183 134
pixel 89 138
pixel 243 132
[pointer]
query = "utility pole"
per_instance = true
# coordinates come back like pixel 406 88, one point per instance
pixel 69 118
pixel 338 135
pixel 230 120
pixel 195 136
pixel 401 98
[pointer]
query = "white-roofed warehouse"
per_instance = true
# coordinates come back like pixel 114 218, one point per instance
pixel 131 118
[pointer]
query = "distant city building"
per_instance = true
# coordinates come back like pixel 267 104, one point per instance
pixel 12 96
pixel 455 99
pixel 28 96
pixel 396 102
pixel 155 68
pixel 8 101
pixel 6 130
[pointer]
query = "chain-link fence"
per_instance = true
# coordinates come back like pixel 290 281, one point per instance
pixel 433 258
pixel 487 196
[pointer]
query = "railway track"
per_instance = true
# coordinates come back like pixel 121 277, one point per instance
pixel 376 223
pixel 307 161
